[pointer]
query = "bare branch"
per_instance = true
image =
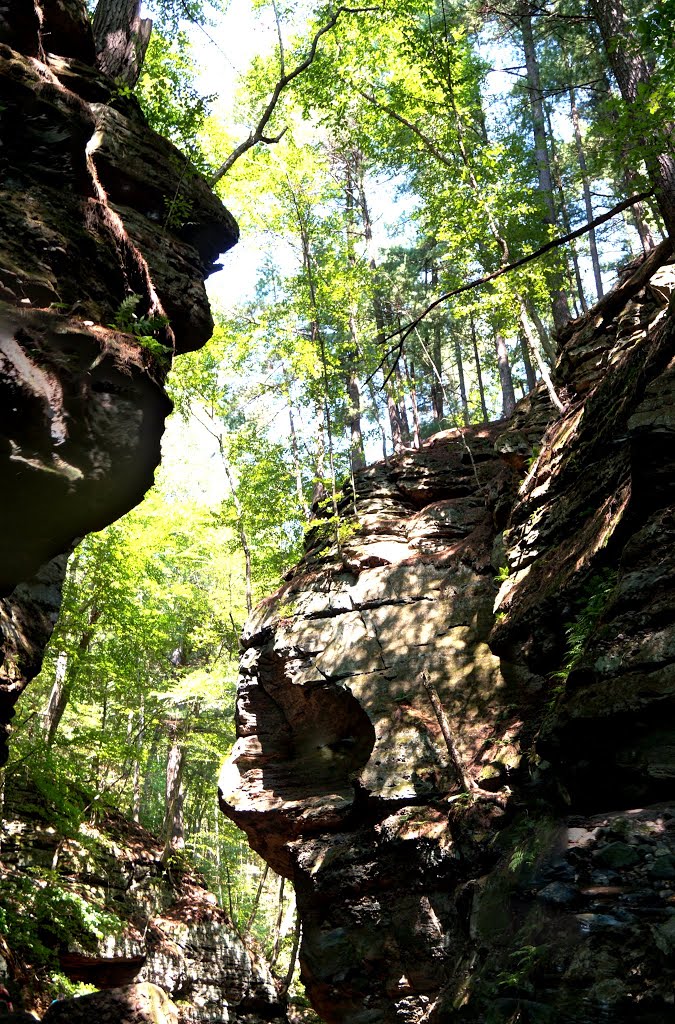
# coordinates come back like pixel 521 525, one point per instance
pixel 402 332
pixel 285 78
pixel 430 145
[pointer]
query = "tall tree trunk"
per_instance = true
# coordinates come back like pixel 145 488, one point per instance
pixel 319 488
pixel 437 376
pixel 560 308
pixel 276 948
pixel 543 368
pixel 378 418
pixel 58 699
pixel 508 394
pixel 412 388
pixel 356 453
pixel 297 466
pixel 544 336
pixel 65 675
pixel 462 383
pixel 567 226
pixel 317 336
pixel 479 372
pixel 437 358
pixel 529 372
pixel 136 803
pixel 241 528
pixel 357 456
pixel 121 38
pixel 256 903
pixel 297 932
pixel 633 74
pixel 394 422
pixel 406 436
pixel 588 202
pixel 174 825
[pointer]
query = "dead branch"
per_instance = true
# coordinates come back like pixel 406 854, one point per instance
pixel 285 78
pixel 402 332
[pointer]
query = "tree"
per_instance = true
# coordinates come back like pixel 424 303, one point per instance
pixel 121 39
pixel 634 77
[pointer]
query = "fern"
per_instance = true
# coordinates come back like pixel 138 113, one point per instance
pixel 125 319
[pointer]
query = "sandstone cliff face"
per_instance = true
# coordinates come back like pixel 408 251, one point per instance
pixel 87 192
pixel 168 930
pixel 450 774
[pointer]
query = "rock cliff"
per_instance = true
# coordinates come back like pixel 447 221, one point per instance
pixel 88 201
pixel 107 910
pixel 471 784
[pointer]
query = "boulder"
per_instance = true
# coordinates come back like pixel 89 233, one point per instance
pixel 130 1004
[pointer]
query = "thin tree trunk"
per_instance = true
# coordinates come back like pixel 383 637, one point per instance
pixel 529 372
pixel 462 384
pixel 356 454
pixel 406 436
pixel 174 825
pixel 256 903
pixel 544 336
pixel 479 372
pixel 378 419
pixel 297 467
pixel 543 368
pixel 58 699
pixel 588 202
pixel 276 948
pixel 121 38
pixel 437 381
pixel 437 357
pixel 567 227
pixel 560 308
pixel 410 376
pixel 294 954
pixel 319 488
pixel 394 422
pixel 241 529
pixel 508 394
pixel 564 218
pixel 136 806
pixel 65 675
pixel 317 337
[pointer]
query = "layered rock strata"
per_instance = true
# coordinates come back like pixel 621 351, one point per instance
pixel 89 201
pixel 451 780
pixel 151 923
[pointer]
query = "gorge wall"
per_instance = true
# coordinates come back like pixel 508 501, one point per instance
pixel 107 910
pixel 87 191
pixel 470 779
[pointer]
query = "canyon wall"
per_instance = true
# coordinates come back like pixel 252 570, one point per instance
pixel 88 194
pixel 455 719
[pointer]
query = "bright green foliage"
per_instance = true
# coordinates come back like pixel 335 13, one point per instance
pixel 171 100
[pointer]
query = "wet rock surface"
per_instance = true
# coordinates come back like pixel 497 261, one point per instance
pixel 88 201
pixel 513 861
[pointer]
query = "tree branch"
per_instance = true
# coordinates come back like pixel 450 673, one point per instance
pixel 402 332
pixel 284 80
pixel 430 145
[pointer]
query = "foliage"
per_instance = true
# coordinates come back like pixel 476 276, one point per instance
pixel 592 602
pixel 38 914
pixel 171 101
